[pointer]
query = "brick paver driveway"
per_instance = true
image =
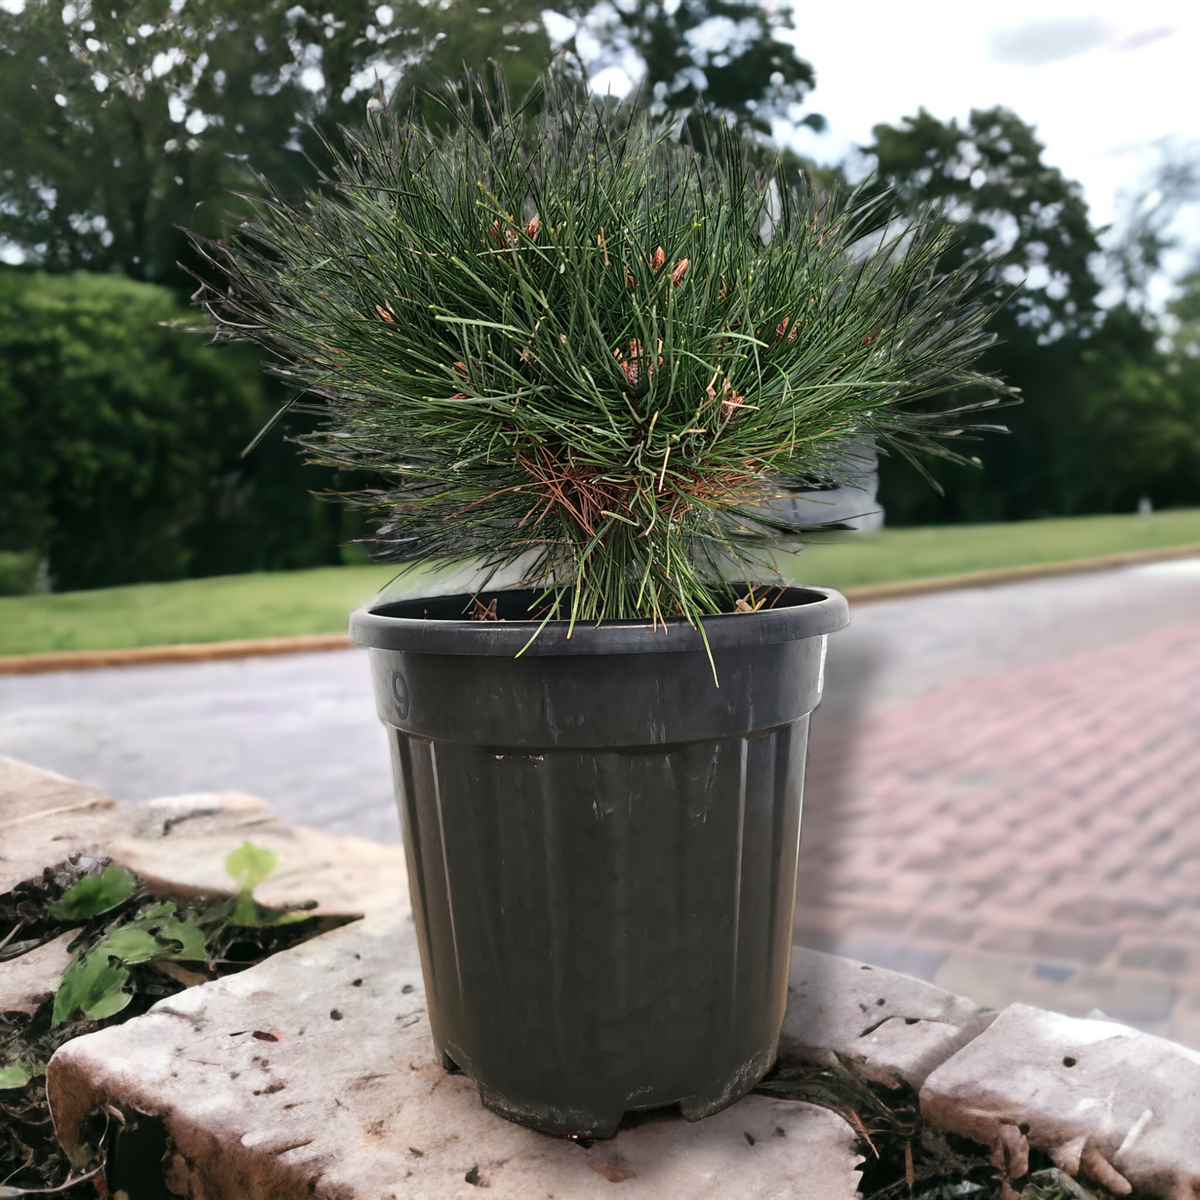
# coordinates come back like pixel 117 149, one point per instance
pixel 1004 792
pixel 1004 795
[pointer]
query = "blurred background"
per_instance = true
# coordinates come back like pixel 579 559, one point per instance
pixel 1004 791
pixel 1062 135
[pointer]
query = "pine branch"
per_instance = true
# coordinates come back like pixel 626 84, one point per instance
pixel 571 335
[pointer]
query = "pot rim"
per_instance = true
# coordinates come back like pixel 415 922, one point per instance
pixel 810 612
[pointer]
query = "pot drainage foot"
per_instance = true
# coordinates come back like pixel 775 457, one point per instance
pixel 450 1066
pixel 741 1083
pixel 580 1124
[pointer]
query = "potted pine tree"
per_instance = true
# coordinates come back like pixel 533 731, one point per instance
pixel 568 348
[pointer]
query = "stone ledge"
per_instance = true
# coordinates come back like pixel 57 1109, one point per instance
pixel 1116 1104
pixel 894 1028
pixel 178 845
pixel 312 1074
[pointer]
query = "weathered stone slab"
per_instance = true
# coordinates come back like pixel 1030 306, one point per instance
pixel 29 981
pixel 313 1074
pixel 1120 1106
pixel 895 1028
pixel 178 845
pixel 44 819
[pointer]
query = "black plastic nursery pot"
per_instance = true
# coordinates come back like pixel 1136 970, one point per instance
pixel 601 844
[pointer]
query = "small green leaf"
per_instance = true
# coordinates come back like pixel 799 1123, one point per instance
pixel 95 894
pixel 88 982
pixel 13 1077
pixel 130 944
pixel 249 865
pixel 247 911
pixel 108 1005
pixel 187 933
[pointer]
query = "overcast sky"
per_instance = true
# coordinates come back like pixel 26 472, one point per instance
pixel 1102 81
pixel 1110 86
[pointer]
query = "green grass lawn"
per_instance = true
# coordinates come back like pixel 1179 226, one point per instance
pixel 317 601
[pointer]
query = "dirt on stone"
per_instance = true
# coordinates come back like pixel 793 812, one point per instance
pixel 31 915
pixel 904 1158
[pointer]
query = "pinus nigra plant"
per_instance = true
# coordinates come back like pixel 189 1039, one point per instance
pixel 565 340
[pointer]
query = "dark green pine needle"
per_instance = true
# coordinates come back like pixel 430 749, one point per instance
pixel 568 341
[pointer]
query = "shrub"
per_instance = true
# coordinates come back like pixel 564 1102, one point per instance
pixel 579 345
pixel 18 572
pixel 120 442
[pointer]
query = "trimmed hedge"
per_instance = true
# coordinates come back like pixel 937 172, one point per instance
pixel 120 443
pixel 18 572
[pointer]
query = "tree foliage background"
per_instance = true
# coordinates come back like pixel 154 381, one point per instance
pixel 1112 411
pixel 122 121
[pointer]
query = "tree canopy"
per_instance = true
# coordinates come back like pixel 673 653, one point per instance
pixel 1112 409
pixel 120 123
pixel 990 179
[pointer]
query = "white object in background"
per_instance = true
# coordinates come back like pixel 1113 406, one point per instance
pixel 852 506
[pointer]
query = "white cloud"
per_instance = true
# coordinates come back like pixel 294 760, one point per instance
pixel 1034 43
pixel 1099 112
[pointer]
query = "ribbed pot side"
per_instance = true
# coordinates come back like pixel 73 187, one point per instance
pixel 602 847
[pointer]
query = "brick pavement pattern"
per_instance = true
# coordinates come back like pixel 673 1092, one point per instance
pixel 1023 832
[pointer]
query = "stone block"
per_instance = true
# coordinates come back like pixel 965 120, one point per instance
pixel 30 980
pixel 896 1028
pixel 178 845
pixel 1102 1099
pixel 44 819
pixel 313 1075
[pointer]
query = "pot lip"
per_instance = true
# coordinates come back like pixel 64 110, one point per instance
pixel 814 611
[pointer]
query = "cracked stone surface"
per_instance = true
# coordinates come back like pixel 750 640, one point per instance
pixel 313 1074
pixel 178 845
pixel 30 980
pixel 896 1028
pixel 1119 1106
pixel 44 818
